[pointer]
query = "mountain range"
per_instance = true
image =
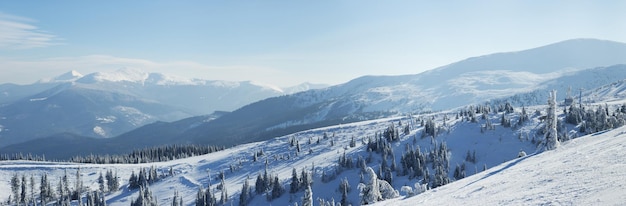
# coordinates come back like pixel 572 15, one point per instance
pixel 459 134
pixel 484 166
pixel 580 63
pixel 522 78
pixel 107 104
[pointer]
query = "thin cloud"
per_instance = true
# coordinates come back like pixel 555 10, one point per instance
pixel 19 33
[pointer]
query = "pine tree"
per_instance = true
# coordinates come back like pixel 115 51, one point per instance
pixel 305 179
pixel 344 188
pixel 45 192
pixel 113 181
pixel 295 182
pixel 79 187
pixel 370 192
pixel 224 198
pixel 145 198
pixel 551 135
pixel 200 201
pixel 246 194
pixel 278 189
pixel 15 188
pixel 132 181
pixel 23 198
pixel 101 183
pixel 352 142
pixel 307 200
pixel 175 199
pixel 32 189
pixel 259 184
pixel 64 190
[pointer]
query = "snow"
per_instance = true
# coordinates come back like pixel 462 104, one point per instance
pixel 125 74
pixel 282 158
pixel 533 179
pixel 585 171
pixel 267 86
pixel 38 99
pixel 135 116
pixel 99 131
pixel 66 77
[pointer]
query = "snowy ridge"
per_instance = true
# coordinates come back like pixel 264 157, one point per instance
pixel 66 77
pixel 614 92
pixel 584 171
pixel 121 75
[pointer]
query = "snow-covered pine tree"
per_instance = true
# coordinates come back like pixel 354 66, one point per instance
pixel 259 184
pixel 278 189
pixel 23 198
pixel 305 180
pixel 177 200
pixel 78 187
pixel 551 141
pixel 307 200
pixel 224 198
pixel 101 184
pixel 344 187
pixel 295 182
pixel 45 190
pixel 15 188
pixel 145 198
pixel 369 188
pixel 200 201
pixel 32 190
pixel 246 193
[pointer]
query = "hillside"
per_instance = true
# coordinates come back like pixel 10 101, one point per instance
pixel 317 152
pixel 583 171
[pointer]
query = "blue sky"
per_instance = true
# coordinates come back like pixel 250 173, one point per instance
pixel 283 42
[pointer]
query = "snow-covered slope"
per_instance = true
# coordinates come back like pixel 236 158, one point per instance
pixel 586 171
pixel 319 156
pixel 583 171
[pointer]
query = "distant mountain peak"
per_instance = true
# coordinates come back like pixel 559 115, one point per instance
pixel 121 75
pixel 303 87
pixel 70 76
pixel 266 86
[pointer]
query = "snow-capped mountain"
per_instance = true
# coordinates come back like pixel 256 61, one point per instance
pixel 107 104
pixel 66 77
pixel 580 63
pixel 494 173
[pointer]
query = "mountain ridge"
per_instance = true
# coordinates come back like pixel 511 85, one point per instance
pixel 107 104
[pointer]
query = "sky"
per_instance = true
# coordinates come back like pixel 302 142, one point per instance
pixel 283 43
